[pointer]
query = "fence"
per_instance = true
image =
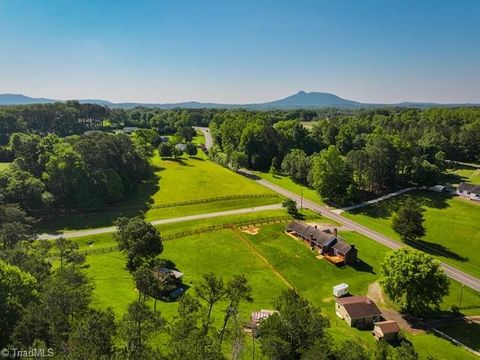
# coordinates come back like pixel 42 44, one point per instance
pixel 159 206
pixel 201 230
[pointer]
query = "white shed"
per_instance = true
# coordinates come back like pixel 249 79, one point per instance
pixel 340 290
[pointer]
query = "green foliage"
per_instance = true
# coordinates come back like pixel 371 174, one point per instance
pixel 297 165
pixel 139 239
pixel 291 206
pixel 166 150
pixel 414 280
pixel 408 221
pixel 191 149
pixel 295 328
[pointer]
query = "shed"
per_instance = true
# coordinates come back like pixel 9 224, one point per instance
pixel 386 330
pixel 357 311
pixel 340 290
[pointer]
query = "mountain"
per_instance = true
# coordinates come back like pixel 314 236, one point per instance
pixel 300 100
pixel 19 99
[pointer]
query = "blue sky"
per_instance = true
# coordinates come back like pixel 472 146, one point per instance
pixel 241 51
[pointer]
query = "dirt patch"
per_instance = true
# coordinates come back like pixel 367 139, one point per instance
pixel 375 293
pixel 408 324
pixel 252 230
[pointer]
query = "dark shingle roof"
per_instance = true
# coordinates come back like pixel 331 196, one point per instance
pixel 388 327
pixel 469 187
pixel 321 237
pixel 359 306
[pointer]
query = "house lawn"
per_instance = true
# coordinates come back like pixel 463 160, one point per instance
pixel 289 184
pixel 270 260
pixel 462 173
pixel 452 223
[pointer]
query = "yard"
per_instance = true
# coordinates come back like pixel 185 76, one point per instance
pixel 462 173
pixel 452 223
pixel 3 165
pixel 193 179
pixel 272 261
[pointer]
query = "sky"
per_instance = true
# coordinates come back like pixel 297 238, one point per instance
pixel 241 51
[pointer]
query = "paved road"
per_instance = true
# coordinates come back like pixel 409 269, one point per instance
pixel 451 271
pixel 207 135
pixel 110 229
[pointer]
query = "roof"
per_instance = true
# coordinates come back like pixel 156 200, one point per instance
pixel 340 286
pixel 181 147
pixel 359 306
pixel 469 187
pixel 388 327
pixel 320 237
pixel 256 316
pixel 175 273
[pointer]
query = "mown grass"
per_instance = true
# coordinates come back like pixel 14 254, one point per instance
pixel 289 184
pixel 466 332
pixel 452 223
pixel 462 173
pixel 268 259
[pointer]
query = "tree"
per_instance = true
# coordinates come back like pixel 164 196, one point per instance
pixel 331 175
pixel 414 280
pixel 17 289
pixel 139 239
pixel 92 336
pixel 211 289
pixel 291 206
pixel 165 150
pixel 351 350
pixel 136 328
pixel 408 221
pixel 294 329
pixel 68 252
pixel 191 149
pixel 297 164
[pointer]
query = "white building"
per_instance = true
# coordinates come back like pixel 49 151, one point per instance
pixel 470 191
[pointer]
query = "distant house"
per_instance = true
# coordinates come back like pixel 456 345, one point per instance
pixel 129 129
pixel 357 311
pixel 165 271
pixel 328 243
pixel 386 330
pixel 257 316
pixel 471 191
pixel 181 147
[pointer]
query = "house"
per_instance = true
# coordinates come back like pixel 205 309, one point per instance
pixel 129 129
pixel 257 316
pixel 166 271
pixel 471 191
pixel 326 242
pixel 386 330
pixel 357 311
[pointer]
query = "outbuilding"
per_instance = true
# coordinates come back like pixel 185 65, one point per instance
pixel 357 311
pixel 470 191
pixel 386 330
pixel 340 290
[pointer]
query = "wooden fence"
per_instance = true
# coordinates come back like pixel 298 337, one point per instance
pixel 205 229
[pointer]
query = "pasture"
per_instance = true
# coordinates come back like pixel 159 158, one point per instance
pixel 272 261
pixel 452 224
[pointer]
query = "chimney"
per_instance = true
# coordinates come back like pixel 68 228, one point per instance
pixel 352 246
pixel 335 232
pixel 315 226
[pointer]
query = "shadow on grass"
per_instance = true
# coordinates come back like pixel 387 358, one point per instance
pixel 362 266
pixel 385 209
pixel 463 330
pixel 135 203
pixel 436 249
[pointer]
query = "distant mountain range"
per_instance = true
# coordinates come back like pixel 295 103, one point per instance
pixel 300 100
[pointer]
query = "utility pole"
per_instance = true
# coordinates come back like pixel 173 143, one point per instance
pixel 301 200
pixel 460 299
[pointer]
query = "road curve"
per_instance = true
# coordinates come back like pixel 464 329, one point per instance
pixel 110 229
pixel 452 272
pixel 207 135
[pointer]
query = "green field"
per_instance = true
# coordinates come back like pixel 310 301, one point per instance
pixel 3 165
pixel 187 179
pixel 289 184
pixel 462 173
pixel 452 223
pixel 271 260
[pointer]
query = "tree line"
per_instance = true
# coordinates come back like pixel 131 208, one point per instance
pixel 350 157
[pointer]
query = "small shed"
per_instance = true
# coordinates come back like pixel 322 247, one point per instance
pixel 357 311
pixel 340 290
pixel 386 330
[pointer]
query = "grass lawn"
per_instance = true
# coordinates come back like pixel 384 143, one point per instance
pixel 452 223
pixel 270 260
pixel 462 173
pixel 183 180
pixel 289 184
pixel 3 165
pixel 466 332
